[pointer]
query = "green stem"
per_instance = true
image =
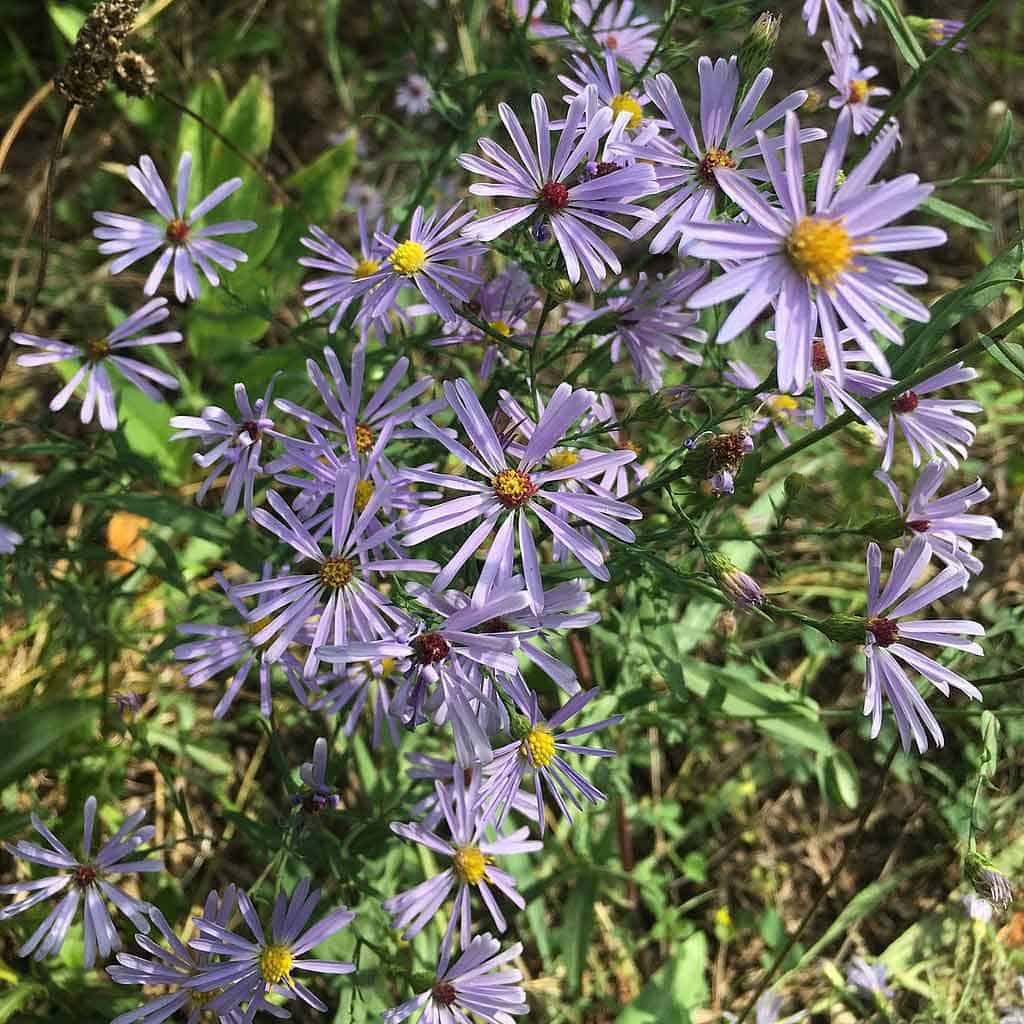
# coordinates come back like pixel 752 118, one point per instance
pixel 549 305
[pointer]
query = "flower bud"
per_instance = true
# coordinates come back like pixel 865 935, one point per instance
pixel 562 290
pixel 815 100
pixel 936 31
pixel 742 588
pixel 756 49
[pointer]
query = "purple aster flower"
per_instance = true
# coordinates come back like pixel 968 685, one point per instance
pixel 767 1011
pixel 617 480
pixel 347 277
pixel 99 392
pixel 607 89
pixel 477 984
pixel 503 304
pixel 945 522
pixel 885 647
pixel 235 446
pixel 545 183
pixel 687 167
pixel 360 686
pixel 473 866
pixel 171 967
pixel 430 808
pixel 250 971
pixel 508 493
pixel 225 647
pixel 317 795
pixel 358 418
pixel 414 95
pixel 938 31
pixel 535 10
pixel 428 260
pixel 135 238
pixel 826 261
pixel 618 28
pixel 650 322
pixel 338 589
pixel 868 979
pixel 443 659
pixel 852 83
pixel 840 22
pixel 539 747
pixel 85 880
pixel 779 411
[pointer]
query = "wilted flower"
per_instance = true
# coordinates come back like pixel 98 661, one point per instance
pixel 989 883
pixel 745 591
pixel 317 795
pixel 869 979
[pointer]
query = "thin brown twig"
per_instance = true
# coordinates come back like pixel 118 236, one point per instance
pixel 262 171
pixel 21 117
pixel 46 213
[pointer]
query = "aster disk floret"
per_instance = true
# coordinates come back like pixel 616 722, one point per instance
pixel 545 183
pixel 97 355
pixel 84 881
pixel 477 985
pixel 188 246
pixel 885 642
pixel 505 495
pixel 822 266
pixel 251 971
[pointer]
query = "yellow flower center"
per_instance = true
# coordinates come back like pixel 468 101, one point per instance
pixel 500 327
pixel 364 439
pixel 563 459
pixel 539 747
pixel 97 350
pixel 336 572
pixel 387 666
pixel 630 446
pixel 470 863
pixel 408 258
pixel 364 268
pixel 275 963
pixel 199 999
pixel 712 160
pixel 781 406
pixel 364 492
pixel 625 102
pixel 513 488
pixel 820 250
pixel 858 91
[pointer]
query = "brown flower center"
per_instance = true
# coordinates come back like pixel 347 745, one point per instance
pixel 85 875
pixel 513 488
pixel 554 196
pixel 819 357
pixel 907 402
pixel 443 993
pixel 714 159
pixel 885 631
pixel 431 648
pixel 177 231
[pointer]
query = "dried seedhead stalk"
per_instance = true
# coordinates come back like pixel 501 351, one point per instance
pixel 93 60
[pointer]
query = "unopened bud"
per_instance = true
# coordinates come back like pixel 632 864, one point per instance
pixel 745 591
pixel 815 100
pixel 756 49
pixel 843 629
pixel 562 290
pixel 937 31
